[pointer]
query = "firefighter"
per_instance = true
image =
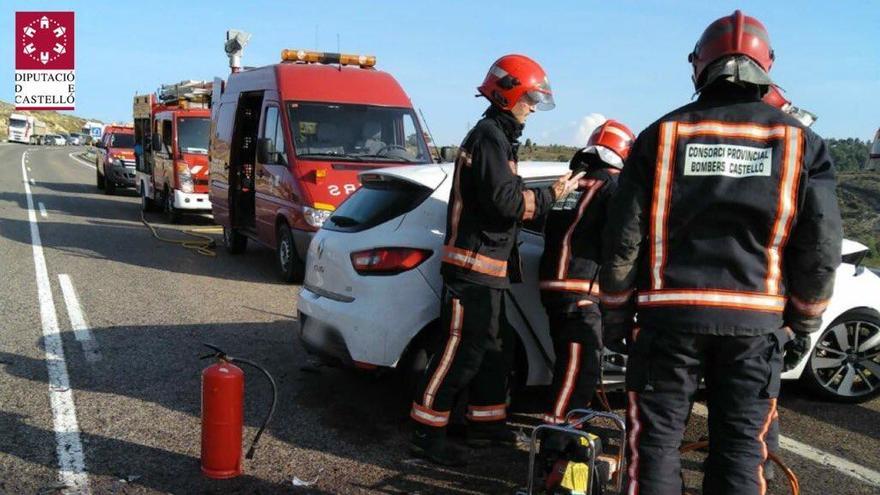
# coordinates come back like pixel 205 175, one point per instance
pixel 570 265
pixel 487 204
pixel 724 236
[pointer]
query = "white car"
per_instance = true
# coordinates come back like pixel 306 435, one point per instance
pixel 54 140
pixel 372 290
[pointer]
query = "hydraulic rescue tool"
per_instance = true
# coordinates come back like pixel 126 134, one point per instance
pixel 223 414
pixel 575 457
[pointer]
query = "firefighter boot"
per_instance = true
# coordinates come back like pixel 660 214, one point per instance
pixel 490 434
pixel 431 444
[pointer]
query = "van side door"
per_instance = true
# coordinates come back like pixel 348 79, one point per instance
pixel 271 171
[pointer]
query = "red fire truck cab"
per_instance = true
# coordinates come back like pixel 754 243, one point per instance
pixel 288 141
pixel 171 136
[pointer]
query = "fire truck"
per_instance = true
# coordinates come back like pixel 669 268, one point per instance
pixel 289 139
pixel 171 130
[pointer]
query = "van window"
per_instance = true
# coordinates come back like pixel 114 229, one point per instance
pixel 166 136
pixel 120 141
pixel 273 131
pixel 333 131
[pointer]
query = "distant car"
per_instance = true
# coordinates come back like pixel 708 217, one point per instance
pixel 54 140
pixel 74 139
pixel 372 288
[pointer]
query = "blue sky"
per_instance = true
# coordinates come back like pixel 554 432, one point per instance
pixel 624 59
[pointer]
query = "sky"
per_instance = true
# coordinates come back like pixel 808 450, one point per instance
pixel 625 60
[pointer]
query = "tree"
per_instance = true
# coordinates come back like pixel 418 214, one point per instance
pixel 849 154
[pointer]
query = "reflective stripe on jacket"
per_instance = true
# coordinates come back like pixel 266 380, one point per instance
pixel 725 220
pixel 487 204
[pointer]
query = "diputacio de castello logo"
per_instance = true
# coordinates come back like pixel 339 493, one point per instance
pixel 45 76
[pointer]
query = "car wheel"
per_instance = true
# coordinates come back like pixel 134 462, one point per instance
pixel 171 213
pixel 412 365
pixel 147 204
pixel 844 366
pixel 99 181
pixel 233 241
pixel 290 267
pixel 109 186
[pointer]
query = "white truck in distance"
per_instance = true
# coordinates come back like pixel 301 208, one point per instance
pixel 25 129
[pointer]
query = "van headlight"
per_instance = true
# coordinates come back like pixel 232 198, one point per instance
pixel 316 216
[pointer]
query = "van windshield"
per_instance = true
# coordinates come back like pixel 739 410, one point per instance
pixel 192 134
pixel 335 131
pixel 121 141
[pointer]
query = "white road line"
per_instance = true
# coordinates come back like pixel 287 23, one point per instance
pixel 81 329
pixel 81 161
pixel 861 473
pixel 43 210
pixel 71 462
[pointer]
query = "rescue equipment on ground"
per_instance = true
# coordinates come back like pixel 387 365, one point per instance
pixel 223 414
pixel 577 457
pixel 793 483
pixel 203 244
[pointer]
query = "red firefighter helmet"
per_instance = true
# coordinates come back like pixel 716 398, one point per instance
pixel 611 141
pixel 736 34
pixel 512 77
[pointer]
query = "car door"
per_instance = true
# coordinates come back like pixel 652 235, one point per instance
pixel 526 308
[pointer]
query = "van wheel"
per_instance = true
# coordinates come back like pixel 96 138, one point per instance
pixel 109 187
pixel 233 241
pixel 290 267
pixel 147 204
pixel 171 213
pixel 99 179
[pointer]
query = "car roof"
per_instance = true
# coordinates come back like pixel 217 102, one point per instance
pixel 432 175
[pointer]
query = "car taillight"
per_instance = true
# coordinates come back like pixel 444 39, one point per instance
pixel 388 261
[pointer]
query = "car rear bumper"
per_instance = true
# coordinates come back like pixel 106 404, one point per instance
pixel 191 201
pixel 373 329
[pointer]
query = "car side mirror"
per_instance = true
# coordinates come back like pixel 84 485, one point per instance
pixel 266 153
pixel 447 153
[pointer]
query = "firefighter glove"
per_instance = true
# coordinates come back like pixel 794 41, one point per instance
pixel 795 349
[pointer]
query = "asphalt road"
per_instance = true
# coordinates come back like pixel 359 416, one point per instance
pixel 130 410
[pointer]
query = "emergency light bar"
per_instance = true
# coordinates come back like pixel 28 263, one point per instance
pixel 327 58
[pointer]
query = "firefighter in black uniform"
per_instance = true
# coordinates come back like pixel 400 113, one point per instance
pixel 570 267
pixel 487 204
pixel 724 237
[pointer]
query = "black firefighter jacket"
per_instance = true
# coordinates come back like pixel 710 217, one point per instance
pixel 569 267
pixel 487 204
pixel 725 221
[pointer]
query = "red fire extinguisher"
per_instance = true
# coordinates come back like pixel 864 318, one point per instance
pixel 223 416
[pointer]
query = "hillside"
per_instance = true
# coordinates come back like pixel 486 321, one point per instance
pixel 57 122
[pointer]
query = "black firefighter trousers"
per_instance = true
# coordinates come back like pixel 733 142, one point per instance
pixel 471 355
pixel 742 382
pixel 577 344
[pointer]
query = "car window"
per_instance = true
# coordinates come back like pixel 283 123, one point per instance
pixel 536 225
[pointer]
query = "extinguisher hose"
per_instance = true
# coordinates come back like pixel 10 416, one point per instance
pixel 250 452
